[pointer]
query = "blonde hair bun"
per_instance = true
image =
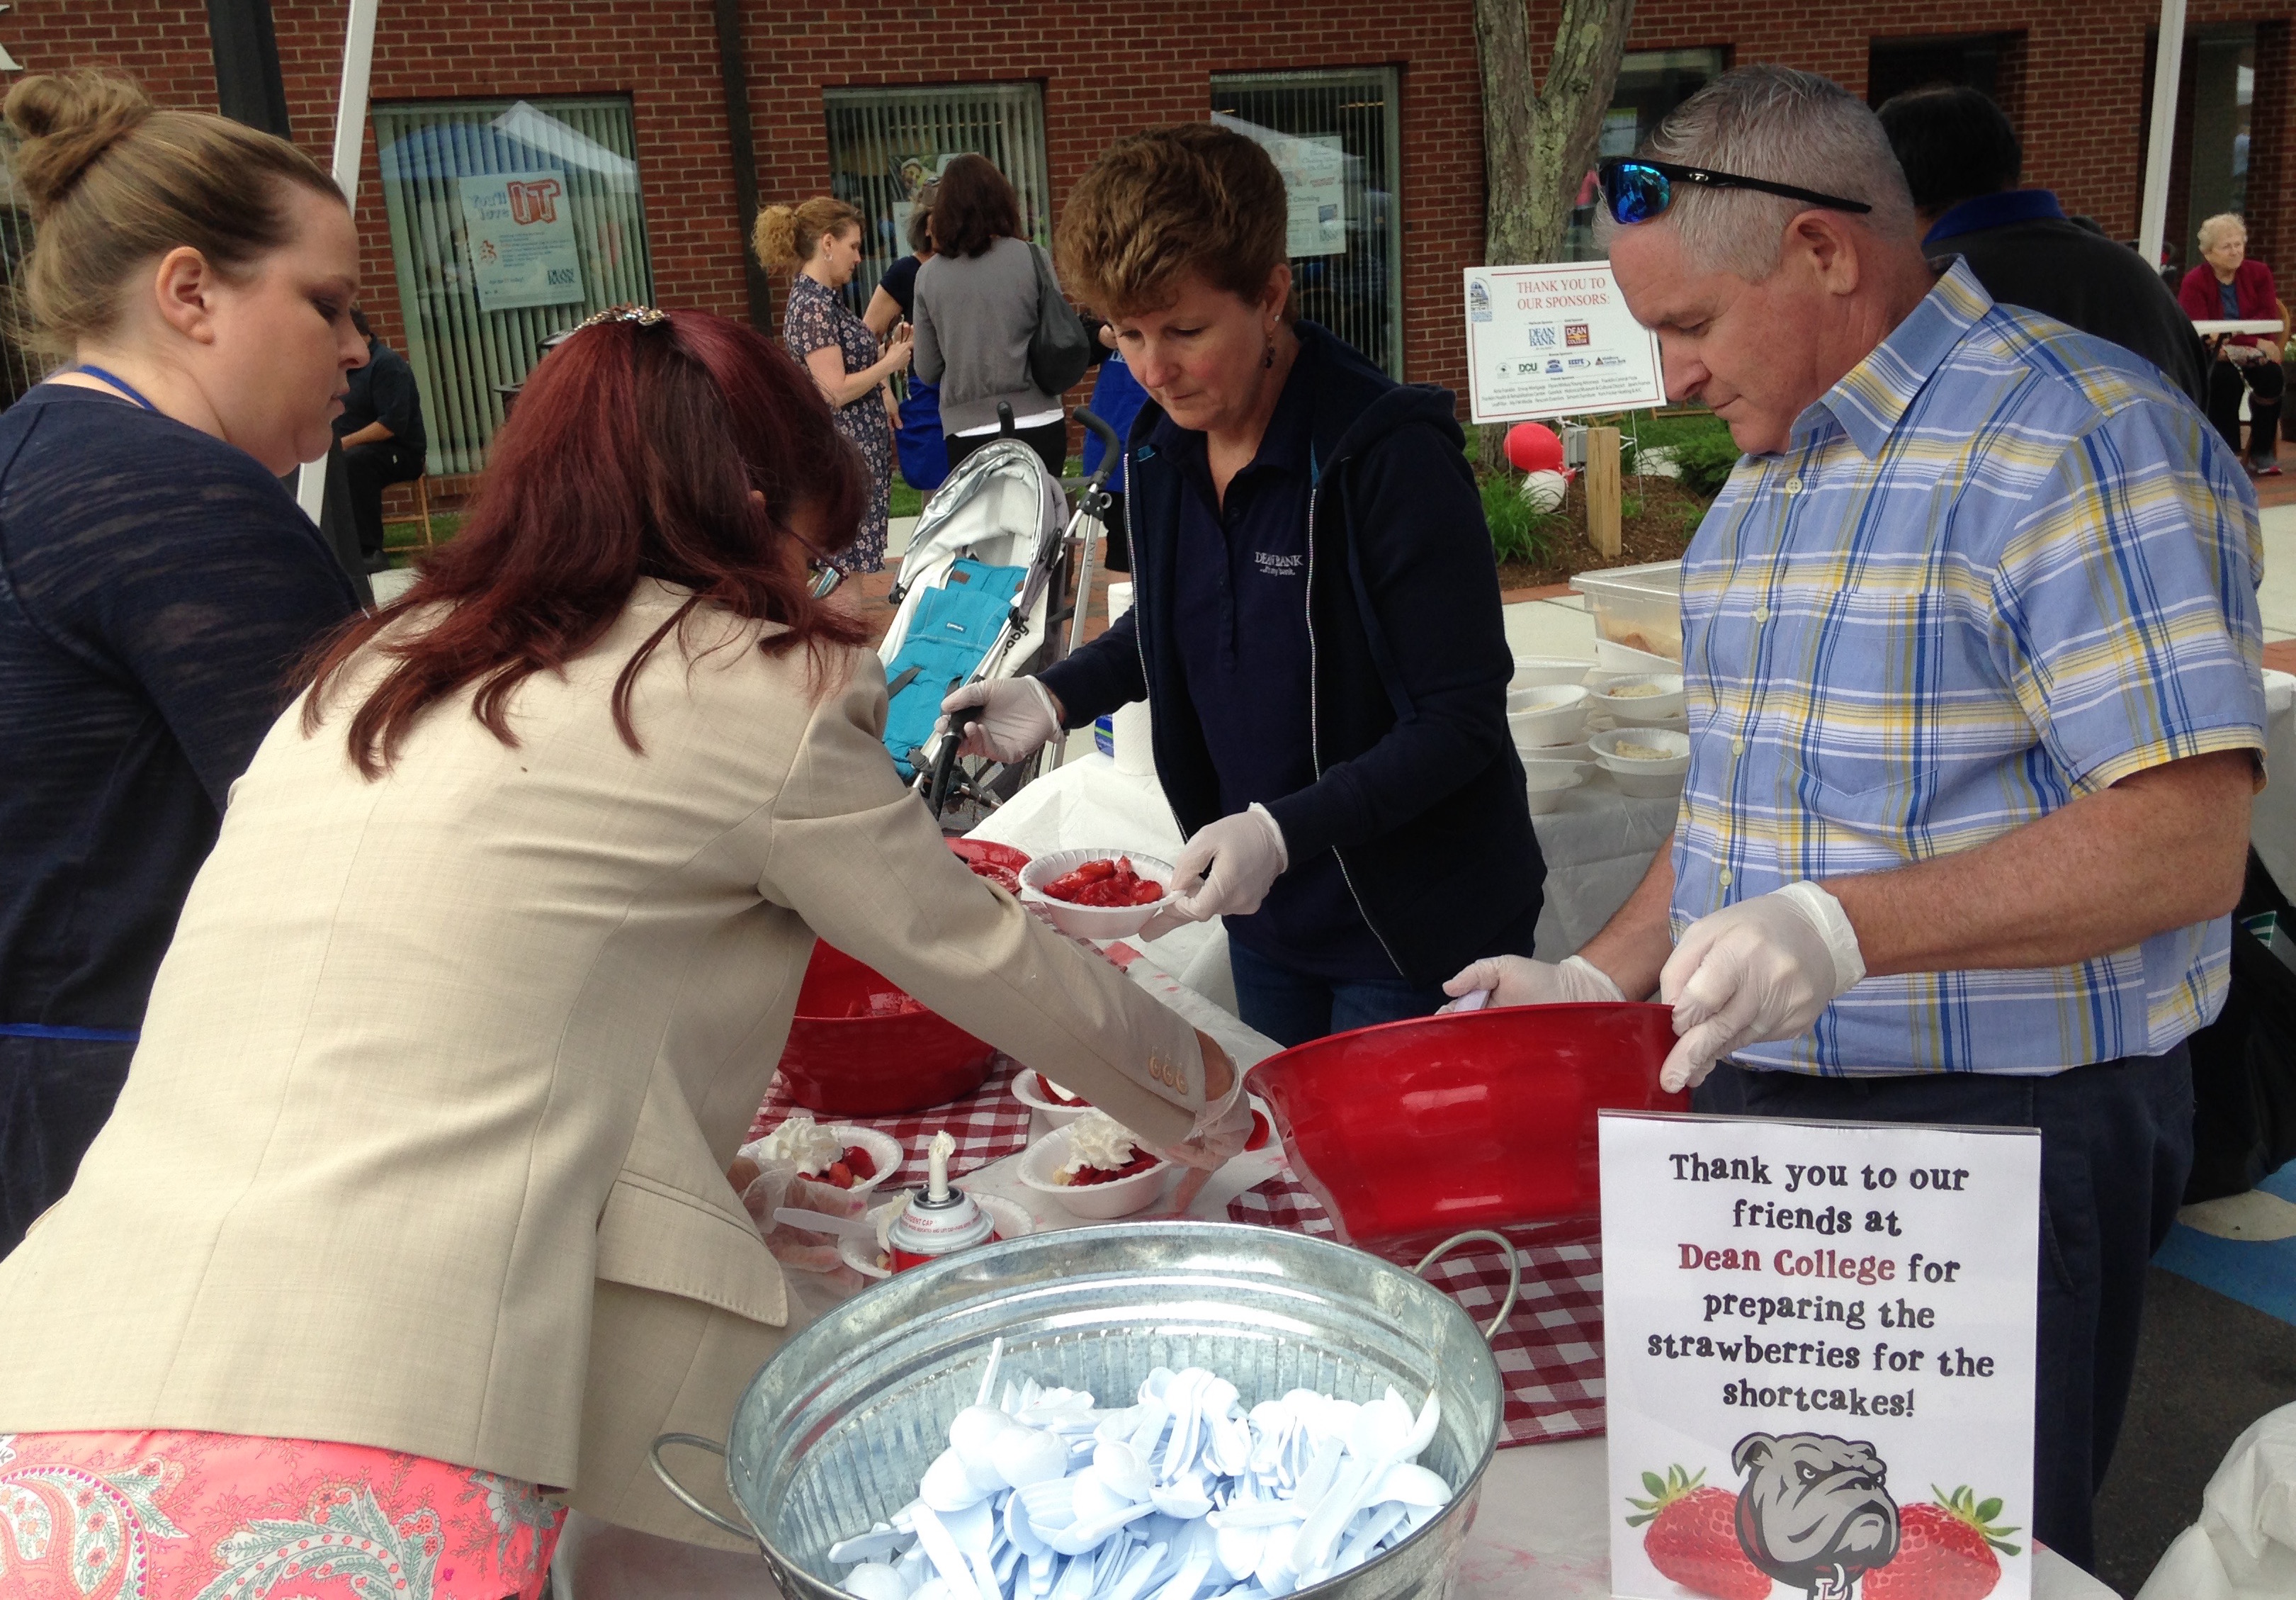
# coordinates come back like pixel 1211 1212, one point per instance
pixel 787 236
pixel 67 122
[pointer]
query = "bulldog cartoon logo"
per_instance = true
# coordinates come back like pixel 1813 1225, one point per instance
pixel 1815 1513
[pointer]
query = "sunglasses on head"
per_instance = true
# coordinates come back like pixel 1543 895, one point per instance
pixel 1639 191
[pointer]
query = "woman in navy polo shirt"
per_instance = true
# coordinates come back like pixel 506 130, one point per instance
pixel 1315 616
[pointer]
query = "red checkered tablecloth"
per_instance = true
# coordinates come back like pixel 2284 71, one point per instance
pixel 1549 1353
pixel 988 1125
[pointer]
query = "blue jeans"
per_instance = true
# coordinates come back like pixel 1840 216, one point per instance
pixel 2116 1145
pixel 1292 1008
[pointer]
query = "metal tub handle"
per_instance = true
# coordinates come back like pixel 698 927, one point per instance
pixel 685 1497
pixel 1484 1234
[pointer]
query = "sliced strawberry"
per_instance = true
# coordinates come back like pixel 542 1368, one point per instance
pixel 839 1174
pixel 859 1163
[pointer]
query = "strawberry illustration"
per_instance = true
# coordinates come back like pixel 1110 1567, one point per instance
pixel 1693 1537
pixel 1944 1551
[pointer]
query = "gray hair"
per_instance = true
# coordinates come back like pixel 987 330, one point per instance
pixel 2216 228
pixel 1788 128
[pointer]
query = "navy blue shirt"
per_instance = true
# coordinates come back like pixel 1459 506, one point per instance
pixel 157 588
pixel 383 390
pixel 1240 624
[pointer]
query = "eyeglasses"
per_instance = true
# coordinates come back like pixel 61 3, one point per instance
pixel 1639 191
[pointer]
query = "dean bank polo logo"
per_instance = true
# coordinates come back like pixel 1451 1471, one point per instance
pixel 1815 1516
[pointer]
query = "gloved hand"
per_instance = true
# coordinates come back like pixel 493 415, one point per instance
pixel 1514 980
pixel 1231 863
pixel 1762 969
pixel 1221 1128
pixel 1018 717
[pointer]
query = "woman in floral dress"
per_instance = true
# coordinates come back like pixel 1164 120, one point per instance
pixel 822 240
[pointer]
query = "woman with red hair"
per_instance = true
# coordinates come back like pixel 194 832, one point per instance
pixel 418 1176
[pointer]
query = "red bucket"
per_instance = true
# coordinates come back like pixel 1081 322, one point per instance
pixel 1411 1131
pixel 848 1060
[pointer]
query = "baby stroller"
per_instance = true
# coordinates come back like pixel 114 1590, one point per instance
pixel 986 583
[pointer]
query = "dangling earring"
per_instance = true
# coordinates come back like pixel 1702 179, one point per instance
pixel 1268 358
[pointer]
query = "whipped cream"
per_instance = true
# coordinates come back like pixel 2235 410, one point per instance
pixel 802 1140
pixel 1095 1139
pixel 1633 691
pixel 1627 750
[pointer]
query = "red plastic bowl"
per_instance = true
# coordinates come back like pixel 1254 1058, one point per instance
pixel 872 1066
pixel 1412 1131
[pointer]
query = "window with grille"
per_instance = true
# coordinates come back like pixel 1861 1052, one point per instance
pixel 19 368
pixel 510 221
pixel 1334 134
pixel 885 145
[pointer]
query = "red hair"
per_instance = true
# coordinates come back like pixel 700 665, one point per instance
pixel 631 453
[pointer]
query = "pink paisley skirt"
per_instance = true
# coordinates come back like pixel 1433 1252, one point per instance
pixel 226 1516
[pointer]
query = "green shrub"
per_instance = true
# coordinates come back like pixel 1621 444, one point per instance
pixel 1518 533
pixel 1705 461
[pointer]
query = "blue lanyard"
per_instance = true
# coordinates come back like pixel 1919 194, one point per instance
pixel 120 384
pixel 41 1030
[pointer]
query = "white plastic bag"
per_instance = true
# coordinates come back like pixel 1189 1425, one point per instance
pixel 2243 1547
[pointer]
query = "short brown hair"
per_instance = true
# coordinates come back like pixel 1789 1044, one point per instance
pixel 787 235
pixel 113 182
pixel 1196 197
pixel 973 208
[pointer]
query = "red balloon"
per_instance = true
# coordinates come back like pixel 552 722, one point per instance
pixel 1534 448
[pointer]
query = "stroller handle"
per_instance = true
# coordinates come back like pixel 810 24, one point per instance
pixel 941 778
pixel 1111 448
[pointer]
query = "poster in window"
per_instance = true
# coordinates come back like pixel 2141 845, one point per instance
pixel 1315 169
pixel 520 229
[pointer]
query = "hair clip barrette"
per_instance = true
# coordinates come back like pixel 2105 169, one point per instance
pixel 644 316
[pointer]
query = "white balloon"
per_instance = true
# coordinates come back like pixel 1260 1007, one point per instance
pixel 1544 491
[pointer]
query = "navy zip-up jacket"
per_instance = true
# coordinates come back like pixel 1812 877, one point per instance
pixel 1418 788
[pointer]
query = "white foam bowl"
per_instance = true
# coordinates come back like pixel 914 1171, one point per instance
pixel 1029 1089
pixel 1580 754
pixel 1643 777
pixel 1547 796
pixel 1656 710
pixel 1539 671
pixel 1547 713
pixel 1012 1222
pixel 1099 1202
pixel 1094 922
pixel 883 1149
pixel 1625 658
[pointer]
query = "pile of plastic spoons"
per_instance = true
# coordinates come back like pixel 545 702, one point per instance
pixel 1181 1496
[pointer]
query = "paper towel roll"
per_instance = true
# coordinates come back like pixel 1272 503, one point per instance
pixel 1128 728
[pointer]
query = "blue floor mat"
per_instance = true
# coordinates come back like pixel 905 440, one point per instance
pixel 2258 1274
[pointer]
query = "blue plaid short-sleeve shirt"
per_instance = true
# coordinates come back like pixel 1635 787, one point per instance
pixel 1999 566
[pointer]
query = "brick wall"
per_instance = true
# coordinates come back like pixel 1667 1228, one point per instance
pixel 2080 87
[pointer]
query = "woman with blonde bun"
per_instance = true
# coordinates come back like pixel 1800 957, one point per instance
pixel 195 277
pixel 821 239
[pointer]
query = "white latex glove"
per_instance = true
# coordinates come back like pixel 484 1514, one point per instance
pixel 1515 981
pixel 1223 1125
pixel 1231 863
pixel 1762 969
pixel 1017 718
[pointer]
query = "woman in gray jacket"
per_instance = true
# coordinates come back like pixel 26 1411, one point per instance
pixel 977 310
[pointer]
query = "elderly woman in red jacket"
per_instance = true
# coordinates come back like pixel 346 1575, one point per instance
pixel 2228 287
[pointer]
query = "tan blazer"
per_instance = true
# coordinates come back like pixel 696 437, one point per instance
pixel 424 1144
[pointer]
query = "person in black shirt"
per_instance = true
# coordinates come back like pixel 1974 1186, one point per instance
pixel 381 432
pixel 161 586
pixel 1961 162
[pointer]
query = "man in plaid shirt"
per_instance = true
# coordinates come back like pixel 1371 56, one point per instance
pixel 1972 654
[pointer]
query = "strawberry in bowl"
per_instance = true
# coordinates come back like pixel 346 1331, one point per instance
pixel 838 1154
pixel 1102 881
pixel 1098 893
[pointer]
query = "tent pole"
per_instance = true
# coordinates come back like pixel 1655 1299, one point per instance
pixel 2161 140
pixel 351 134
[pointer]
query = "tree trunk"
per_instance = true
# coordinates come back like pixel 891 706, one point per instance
pixel 1538 145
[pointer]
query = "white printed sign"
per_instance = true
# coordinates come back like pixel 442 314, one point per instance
pixel 1555 341
pixel 520 229
pixel 1315 171
pixel 1819 1357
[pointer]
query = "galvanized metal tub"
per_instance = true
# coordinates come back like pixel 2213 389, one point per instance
pixel 834 1432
